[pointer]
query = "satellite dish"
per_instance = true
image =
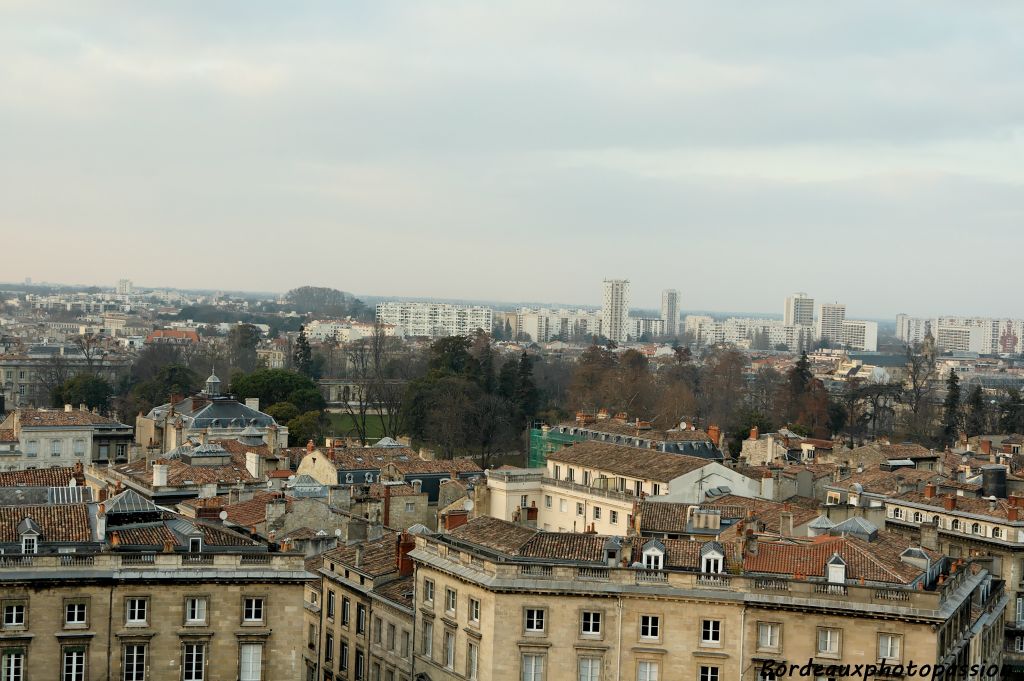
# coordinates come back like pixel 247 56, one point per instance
pixel 468 505
pixel 270 483
pixel 223 515
pixel 337 532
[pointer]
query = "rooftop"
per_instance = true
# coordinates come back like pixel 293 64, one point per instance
pixel 647 464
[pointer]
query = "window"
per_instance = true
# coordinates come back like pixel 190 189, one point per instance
pixel 579 509
pixel 711 631
pixel 79 447
pixel 449 649
pixel 547 501
pixel 13 665
pixel 590 623
pixel 360 618
pixel 597 513
pixel 450 600
pixel 195 544
pixel 975 528
pixel 74 614
pixel 427 641
pixel 828 641
pixel 253 610
pixel 134 664
pixel 955 524
pixel 708 673
pixel 330 605
pixel 889 647
pixel 428 591
pixel 712 563
pixel 250 662
pixel 917 516
pixel 996 533
pixel 646 671
pixel 586 478
pixel 524 501
pixel 768 634
pixel 345 611
pixel 32 447
pixel 656 489
pixel 558 472
pixel 534 619
pixel 533 668
pixel 329 648
pixel 378 630
pixel 563 506
pixel 195 611
pixel 590 669
pixel 474 610
pixel 472 661
pixel 73 665
pixel 390 640
pixel 14 615
pixel 653 560
pixel 405 643
pixel 650 626
pixel 1018 644
pixel 343 657
pixel 570 474
pixel 194 662
pixel 613 517
pixel 136 611
pixel 29 544
pixel 410 506
pixel 359 665
pixel 56 447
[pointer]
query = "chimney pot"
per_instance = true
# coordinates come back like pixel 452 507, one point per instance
pixel 949 502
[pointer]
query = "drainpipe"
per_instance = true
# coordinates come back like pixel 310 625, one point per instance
pixel 743 638
pixel 618 643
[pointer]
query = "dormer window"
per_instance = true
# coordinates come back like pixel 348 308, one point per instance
pixel 348 478
pixel 369 477
pixel 836 569
pixel 195 544
pixel 712 559
pixel 654 555
pixel 29 544
pixel 29 532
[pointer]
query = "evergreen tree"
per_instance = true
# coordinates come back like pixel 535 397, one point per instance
pixel 951 409
pixel 526 398
pixel 303 353
pixel 976 417
pixel 508 379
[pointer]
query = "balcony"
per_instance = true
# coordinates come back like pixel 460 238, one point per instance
pixel 53 566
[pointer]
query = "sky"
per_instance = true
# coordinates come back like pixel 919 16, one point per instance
pixel 870 153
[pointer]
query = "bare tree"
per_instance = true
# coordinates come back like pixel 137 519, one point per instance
pixel 90 346
pixel 360 358
pixel 919 389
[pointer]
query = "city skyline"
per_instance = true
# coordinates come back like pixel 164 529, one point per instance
pixel 413 136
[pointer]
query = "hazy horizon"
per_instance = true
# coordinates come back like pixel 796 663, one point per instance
pixel 868 153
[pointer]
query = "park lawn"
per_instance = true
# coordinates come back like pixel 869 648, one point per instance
pixel 342 425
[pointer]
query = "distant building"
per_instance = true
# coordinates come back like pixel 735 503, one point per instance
pixel 28 377
pixel 652 326
pixel 799 310
pixel 544 324
pixel 830 322
pixel 42 438
pixel 124 287
pixel 615 310
pixel 435 320
pixel 670 311
pixel 860 335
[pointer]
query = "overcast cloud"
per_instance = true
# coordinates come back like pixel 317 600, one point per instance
pixel 867 152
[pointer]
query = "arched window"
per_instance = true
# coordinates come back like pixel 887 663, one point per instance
pixel 897 513
pixel 937 520
pixel 955 524
pixel 975 528
pixel 917 517
pixel 996 533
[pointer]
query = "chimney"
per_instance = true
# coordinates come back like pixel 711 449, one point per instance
pixel 159 475
pixel 101 521
pixel 359 555
pixel 406 543
pixel 454 519
pixel 755 433
pixel 1011 514
pixel 949 502
pixel 787 523
pixel 67 408
pixel 253 403
pixel 929 490
pixel 715 433
pixel 986 447
pixel 930 535
pixel 254 464
pixel 276 508
pixel 387 505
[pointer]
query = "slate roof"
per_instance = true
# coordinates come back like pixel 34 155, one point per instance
pixel 129 501
pixel 66 523
pixel 217 412
pixel 647 464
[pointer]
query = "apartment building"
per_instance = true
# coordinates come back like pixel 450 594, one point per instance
pixel 615 310
pixel 41 438
pixel 670 311
pixel 496 600
pixel 653 327
pixel 742 332
pixel 860 335
pixel 365 619
pixel 28 376
pixel 799 309
pixel 830 322
pixel 127 590
pixel 435 320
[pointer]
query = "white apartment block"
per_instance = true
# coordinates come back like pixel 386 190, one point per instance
pixel 435 320
pixel 615 312
pixel 124 287
pixel 638 326
pixel 740 331
pixel 984 335
pixel 344 330
pixel 543 324
pixel 912 330
pixel 799 310
pixel 860 335
pixel 670 311
pixel 830 322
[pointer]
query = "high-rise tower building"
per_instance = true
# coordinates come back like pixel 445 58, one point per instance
pixel 615 311
pixel 799 310
pixel 670 311
pixel 124 287
pixel 830 322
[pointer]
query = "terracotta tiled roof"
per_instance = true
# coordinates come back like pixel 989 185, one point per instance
pixel 236 447
pixel 252 511
pixel 397 591
pixel 877 481
pixel 876 453
pixel 179 472
pixel 376 490
pixel 616 427
pixel 50 418
pixel 982 507
pixel 875 562
pixel 380 556
pixel 659 516
pixel 456 466
pixel 494 534
pixel 7 435
pixel 647 464
pixel 153 535
pixel 173 334
pixel 65 523
pixel 38 477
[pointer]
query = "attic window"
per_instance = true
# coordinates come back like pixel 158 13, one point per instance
pixel 654 559
pixel 712 563
pixel 29 544
pixel 195 545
